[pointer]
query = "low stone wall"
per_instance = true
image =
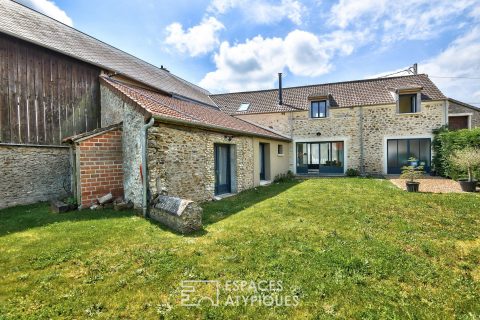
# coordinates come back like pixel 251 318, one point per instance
pixel 181 215
pixel 33 174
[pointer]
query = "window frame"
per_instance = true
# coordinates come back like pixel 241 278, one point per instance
pixel 417 99
pixel 318 103
pixel 280 148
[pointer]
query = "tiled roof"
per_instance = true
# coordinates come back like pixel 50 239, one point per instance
pixel 29 25
pixel 171 109
pixel 341 94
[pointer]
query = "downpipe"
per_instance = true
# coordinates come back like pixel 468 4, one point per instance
pixel 145 165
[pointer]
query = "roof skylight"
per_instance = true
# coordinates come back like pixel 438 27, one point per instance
pixel 244 106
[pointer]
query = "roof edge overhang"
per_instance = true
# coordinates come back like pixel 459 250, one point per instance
pixel 90 134
pixel 216 128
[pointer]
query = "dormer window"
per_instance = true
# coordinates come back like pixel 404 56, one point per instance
pixel 244 106
pixel 318 109
pixel 407 103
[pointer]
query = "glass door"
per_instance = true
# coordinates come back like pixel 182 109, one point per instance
pixel 320 157
pixel 400 150
pixel 222 169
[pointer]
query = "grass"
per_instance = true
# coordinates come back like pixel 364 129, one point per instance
pixel 348 248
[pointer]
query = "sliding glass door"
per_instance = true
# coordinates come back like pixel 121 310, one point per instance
pixel 400 150
pixel 320 157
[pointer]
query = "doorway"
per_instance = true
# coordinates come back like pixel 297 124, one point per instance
pixel 223 171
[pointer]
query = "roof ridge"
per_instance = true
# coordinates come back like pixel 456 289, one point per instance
pixel 319 84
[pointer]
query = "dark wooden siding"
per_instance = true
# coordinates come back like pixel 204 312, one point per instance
pixel 45 96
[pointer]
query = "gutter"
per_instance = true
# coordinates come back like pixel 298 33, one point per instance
pixel 145 165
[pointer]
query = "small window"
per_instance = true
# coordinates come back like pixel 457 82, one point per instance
pixel 407 103
pixel 280 150
pixel 318 109
pixel 244 107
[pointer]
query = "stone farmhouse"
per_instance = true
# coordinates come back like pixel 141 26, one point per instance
pixel 80 116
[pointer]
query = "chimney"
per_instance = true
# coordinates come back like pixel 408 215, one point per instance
pixel 280 99
pixel 415 69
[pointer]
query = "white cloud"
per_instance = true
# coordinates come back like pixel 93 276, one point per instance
pixel 459 60
pixel 261 11
pixel 197 40
pixel 254 64
pixel 397 20
pixel 48 8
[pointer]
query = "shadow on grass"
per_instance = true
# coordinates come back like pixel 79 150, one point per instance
pixel 218 210
pixel 21 218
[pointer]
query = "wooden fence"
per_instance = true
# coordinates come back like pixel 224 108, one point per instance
pixel 45 96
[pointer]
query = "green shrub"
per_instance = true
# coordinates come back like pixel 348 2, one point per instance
pixel 352 172
pixel 445 143
pixel 284 177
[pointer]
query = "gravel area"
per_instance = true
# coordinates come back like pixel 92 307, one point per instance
pixel 430 184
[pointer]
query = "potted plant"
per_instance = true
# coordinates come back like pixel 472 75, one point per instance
pixel 412 173
pixel 468 160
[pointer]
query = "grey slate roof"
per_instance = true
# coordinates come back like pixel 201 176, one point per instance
pixel 29 25
pixel 341 94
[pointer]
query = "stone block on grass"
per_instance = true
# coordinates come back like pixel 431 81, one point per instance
pixel 181 215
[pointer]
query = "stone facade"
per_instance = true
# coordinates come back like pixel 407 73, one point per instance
pixel 32 174
pixel 100 168
pixel 454 108
pixel 115 110
pixel 181 161
pixel 371 125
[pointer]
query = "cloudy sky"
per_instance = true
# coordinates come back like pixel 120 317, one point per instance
pixel 232 45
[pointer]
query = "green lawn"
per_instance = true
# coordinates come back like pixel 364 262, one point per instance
pixel 349 248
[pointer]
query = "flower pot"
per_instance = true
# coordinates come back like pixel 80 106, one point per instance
pixel 468 186
pixel 412 186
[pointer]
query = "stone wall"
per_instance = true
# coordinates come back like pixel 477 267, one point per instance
pixel 100 166
pixel 32 174
pixel 382 122
pixel 280 122
pixel 345 124
pixel 181 161
pixel 115 110
pixel 454 108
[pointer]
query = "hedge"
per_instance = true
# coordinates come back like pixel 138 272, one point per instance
pixel 445 142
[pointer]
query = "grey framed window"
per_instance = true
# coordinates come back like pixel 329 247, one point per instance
pixel 318 109
pixel 408 103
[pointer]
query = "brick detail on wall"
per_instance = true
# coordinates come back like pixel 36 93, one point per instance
pixel 100 166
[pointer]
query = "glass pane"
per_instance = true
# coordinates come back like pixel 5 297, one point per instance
pixel 314 109
pixel 324 153
pixel 301 154
pixel 425 151
pixel 337 154
pixel 222 165
pixel 402 153
pixel 406 103
pixel 392 153
pixel 315 154
pixel 322 112
pixel 415 149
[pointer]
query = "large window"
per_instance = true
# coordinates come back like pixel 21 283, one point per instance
pixel 407 103
pixel 318 109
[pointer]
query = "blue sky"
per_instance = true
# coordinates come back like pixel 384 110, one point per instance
pixel 232 45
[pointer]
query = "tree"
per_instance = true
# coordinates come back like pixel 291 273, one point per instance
pixel 467 159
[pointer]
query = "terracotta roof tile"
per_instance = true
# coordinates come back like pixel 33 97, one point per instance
pixel 169 108
pixel 341 94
